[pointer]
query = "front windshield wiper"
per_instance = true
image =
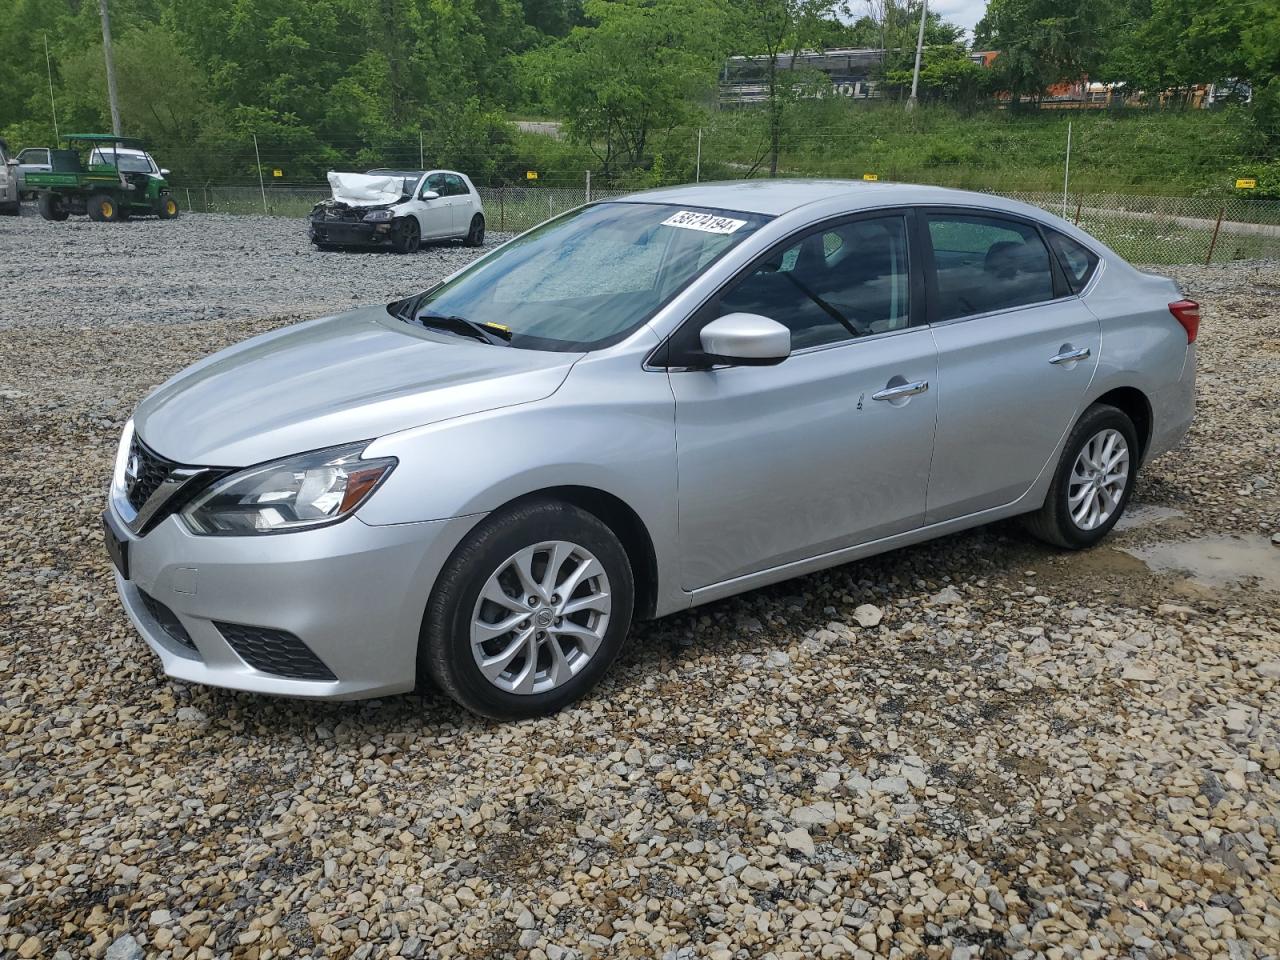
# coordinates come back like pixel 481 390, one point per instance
pixel 486 332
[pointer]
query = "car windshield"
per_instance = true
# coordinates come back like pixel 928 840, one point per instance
pixel 589 278
pixel 128 162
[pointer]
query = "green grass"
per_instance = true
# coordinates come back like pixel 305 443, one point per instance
pixel 1172 153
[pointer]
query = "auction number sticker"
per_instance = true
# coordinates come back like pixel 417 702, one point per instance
pixel 706 222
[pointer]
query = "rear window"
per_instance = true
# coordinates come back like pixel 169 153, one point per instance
pixel 1078 261
pixel 986 264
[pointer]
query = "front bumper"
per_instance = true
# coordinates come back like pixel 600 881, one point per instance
pixel 351 233
pixel 352 593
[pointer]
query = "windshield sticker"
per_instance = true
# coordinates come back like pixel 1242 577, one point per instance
pixel 706 222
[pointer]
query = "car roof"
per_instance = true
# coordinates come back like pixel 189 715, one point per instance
pixel 105 138
pixel 389 172
pixel 776 197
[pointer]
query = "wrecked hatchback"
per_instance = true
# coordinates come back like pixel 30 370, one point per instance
pixel 398 209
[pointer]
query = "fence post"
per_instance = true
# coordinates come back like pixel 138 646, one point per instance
pixel 550 211
pixel 588 186
pixel 188 199
pixel 1079 204
pixel 502 208
pixel 261 186
pixel 1066 172
pixel 1213 242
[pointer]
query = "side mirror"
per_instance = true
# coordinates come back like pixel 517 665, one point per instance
pixel 745 340
pixel 429 195
pixel 164 172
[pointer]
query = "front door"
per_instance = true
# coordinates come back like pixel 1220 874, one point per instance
pixel 829 448
pixel 1016 354
pixel 435 216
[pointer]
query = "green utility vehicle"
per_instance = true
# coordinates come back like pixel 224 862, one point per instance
pixel 116 180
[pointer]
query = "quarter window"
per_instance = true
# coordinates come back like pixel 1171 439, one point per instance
pixel 454 185
pixel 987 263
pixel 1078 261
pixel 839 283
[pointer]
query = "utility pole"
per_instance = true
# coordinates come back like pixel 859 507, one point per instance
pixel 915 74
pixel 111 69
pixel 697 164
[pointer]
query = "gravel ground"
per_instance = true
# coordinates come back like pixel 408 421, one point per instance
pixel 980 747
pixel 200 267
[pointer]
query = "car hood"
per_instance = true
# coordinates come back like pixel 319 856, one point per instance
pixel 340 379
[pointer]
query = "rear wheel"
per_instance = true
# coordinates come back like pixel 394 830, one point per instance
pixel 103 207
pixel 475 235
pixel 529 611
pixel 1093 482
pixel 51 207
pixel 168 208
pixel 13 209
pixel 405 235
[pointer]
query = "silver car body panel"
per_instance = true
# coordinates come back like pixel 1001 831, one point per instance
pixel 268 397
pixel 740 476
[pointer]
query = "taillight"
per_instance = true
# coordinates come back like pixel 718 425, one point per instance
pixel 1187 313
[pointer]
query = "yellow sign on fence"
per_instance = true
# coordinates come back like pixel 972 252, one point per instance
pixel 1247 183
pixel 871 176
pixel 531 174
pixel 277 172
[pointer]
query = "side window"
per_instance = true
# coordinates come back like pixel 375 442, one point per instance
pixel 1078 261
pixel 455 185
pixel 838 283
pixel 987 263
pixel 436 182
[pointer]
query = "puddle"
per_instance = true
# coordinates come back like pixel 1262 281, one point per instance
pixel 1143 514
pixel 1216 561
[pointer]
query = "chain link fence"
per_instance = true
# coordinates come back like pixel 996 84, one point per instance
pixel 1142 229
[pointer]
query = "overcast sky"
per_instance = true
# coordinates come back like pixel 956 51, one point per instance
pixel 964 12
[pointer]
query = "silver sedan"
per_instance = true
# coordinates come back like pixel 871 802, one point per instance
pixel 635 408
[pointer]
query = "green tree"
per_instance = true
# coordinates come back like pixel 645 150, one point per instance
pixel 637 70
pixel 1041 42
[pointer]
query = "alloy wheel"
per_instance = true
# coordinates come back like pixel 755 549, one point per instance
pixel 1098 479
pixel 540 617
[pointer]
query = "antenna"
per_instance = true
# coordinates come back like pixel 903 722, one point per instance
pixel 53 107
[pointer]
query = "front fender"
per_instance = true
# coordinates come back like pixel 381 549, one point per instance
pixel 610 427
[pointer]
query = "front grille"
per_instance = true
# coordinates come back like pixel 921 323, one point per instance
pixel 274 652
pixel 150 470
pixel 168 621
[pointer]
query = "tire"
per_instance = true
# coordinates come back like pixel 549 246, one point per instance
pixel 484 560
pixel 51 207
pixel 167 209
pixel 13 209
pixel 326 247
pixel 406 235
pixel 475 235
pixel 103 207
pixel 1055 523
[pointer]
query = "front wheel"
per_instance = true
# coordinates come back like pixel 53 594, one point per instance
pixel 529 611
pixel 103 207
pixel 1093 481
pixel 168 209
pixel 51 207
pixel 475 235
pixel 405 235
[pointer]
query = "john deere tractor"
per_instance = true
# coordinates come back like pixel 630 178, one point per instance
pixel 108 177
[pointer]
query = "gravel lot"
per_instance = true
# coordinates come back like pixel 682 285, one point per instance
pixel 979 747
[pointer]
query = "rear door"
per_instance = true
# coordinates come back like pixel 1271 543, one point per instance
pixel 829 448
pixel 459 203
pixel 1017 350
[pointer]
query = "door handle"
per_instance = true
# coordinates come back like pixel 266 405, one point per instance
pixel 902 390
pixel 1070 356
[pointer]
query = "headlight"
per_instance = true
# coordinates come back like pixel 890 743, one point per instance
pixel 123 450
pixel 297 493
pixel 378 215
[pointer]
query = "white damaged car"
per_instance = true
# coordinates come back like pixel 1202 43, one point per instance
pixel 398 209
